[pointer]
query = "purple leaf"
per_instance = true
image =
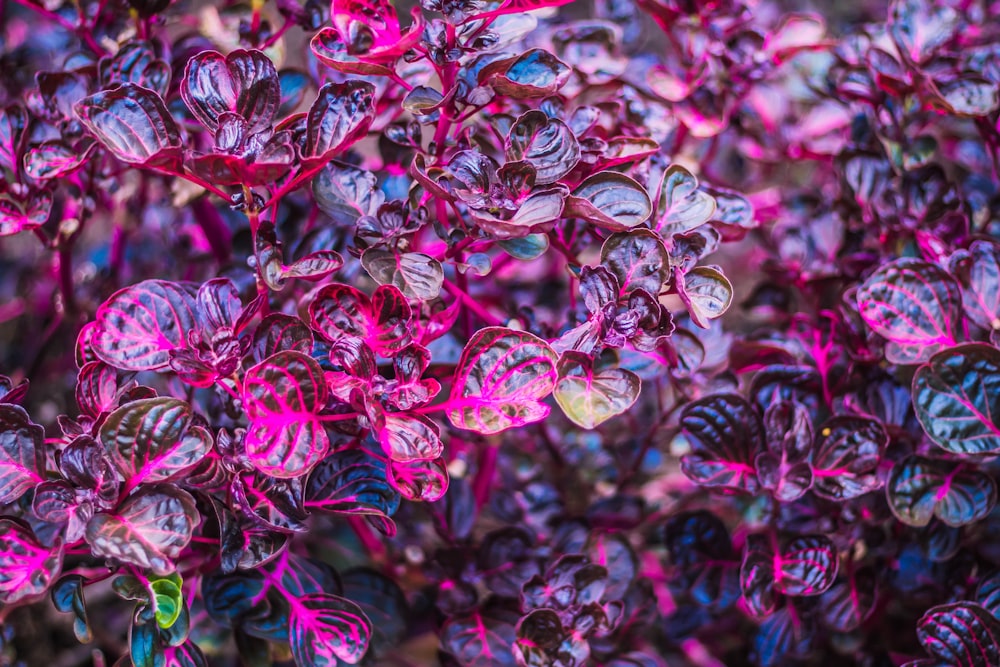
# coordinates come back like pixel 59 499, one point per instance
pixel 702 552
pixel 638 259
pixel 680 205
pixel 22 457
pixel 406 438
pixel 545 143
pixel 535 73
pixel 244 82
pixel 279 332
pixel 18 215
pixel 978 273
pixel 478 641
pixel 138 326
pixel 27 569
pixel 151 440
pixel 915 305
pixel 149 528
pixel 846 457
pixel 956 396
pixel 961 634
pixel 346 193
pixel 382 321
pixel 96 388
pixel 416 275
pixel 325 629
pixel 610 200
pixel 805 566
pixel 500 381
pixel 726 434
pixel 919 489
pixel 706 292
pixel 783 468
pixel 353 482
pixel 133 123
pixel 53 159
pixel 420 480
pixel 590 398
pixel 920 28
pixel 850 601
pixel 341 114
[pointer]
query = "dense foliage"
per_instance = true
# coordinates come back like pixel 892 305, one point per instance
pixel 358 336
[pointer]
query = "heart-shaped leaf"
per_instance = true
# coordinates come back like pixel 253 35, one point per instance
pixel 407 437
pixel 26 568
pixel 382 321
pixel 961 634
pixel 805 566
pixel 913 304
pixel 22 455
pixel 956 397
pixel 325 629
pixel 283 396
pixel 706 292
pixel 138 326
pixel 152 439
pixel 680 205
pixel 500 381
pixel 638 259
pixel 133 123
pixel 244 82
pixel 341 114
pixel 725 434
pixel 545 143
pixel 418 276
pixel 591 398
pixel 846 456
pixel 919 489
pixel 610 200
pixel 148 529
pixel 421 480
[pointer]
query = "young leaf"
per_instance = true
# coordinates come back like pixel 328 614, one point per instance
pixel 638 259
pixel 67 597
pixel 133 123
pixel 609 200
pixel 500 381
pixel 283 396
pixel 726 434
pixel 22 454
pixel 244 82
pixel 956 396
pixel 26 568
pixel 706 292
pixel 148 529
pixel 382 321
pixel 152 439
pixel 913 304
pixel 325 629
pixel 846 456
pixel 589 399
pixel 340 116
pixel 418 276
pixel 680 205
pixel 168 599
pixel 919 489
pixel 138 326
pixel 407 438
pixel 420 480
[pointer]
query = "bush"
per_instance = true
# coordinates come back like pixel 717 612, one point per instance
pixel 356 336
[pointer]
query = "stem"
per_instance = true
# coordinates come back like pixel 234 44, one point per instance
pixel 81 32
pixel 66 278
pixel 372 544
pixel 485 474
pixel 216 231
pixel 472 306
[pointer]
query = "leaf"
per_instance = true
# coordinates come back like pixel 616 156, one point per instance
pixel 535 73
pixel 545 143
pixel 478 641
pixel 701 551
pixel 680 205
pixel 152 439
pixel 726 434
pixel 54 158
pixel 707 293
pixel 346 193
pixel 96 388
pixel 589 399
pixel 979 277
pixel 919 489
pixel 500 381
pixel 782 637
pixel 138 326
pixel 962 634
pixel 20 216
pixel 341 114
pixel 638 259
pixel 244 82
pixel 279 332
pixel 353 482
pixel 407 437
pixel 806 566
pixel 382 321
pixel 247 602
pixel 850 601
pixel 283 396
pixel 418 276
pixel 148 529
pixel 133 123
pixel 527 247
pixel 846 457
pixel 168 599
pixel 67 597
pixel 22 453
pixel 914 305
pixel 422 480
pixel 919 29
pixel 610 200
pixel 325 629
pixel 970 96
pixel 26 568
pixel 956 397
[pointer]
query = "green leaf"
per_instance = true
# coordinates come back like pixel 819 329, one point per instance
pixel 168 598
pixel 589 399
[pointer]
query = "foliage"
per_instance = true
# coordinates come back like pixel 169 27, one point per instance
pixel 519 332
